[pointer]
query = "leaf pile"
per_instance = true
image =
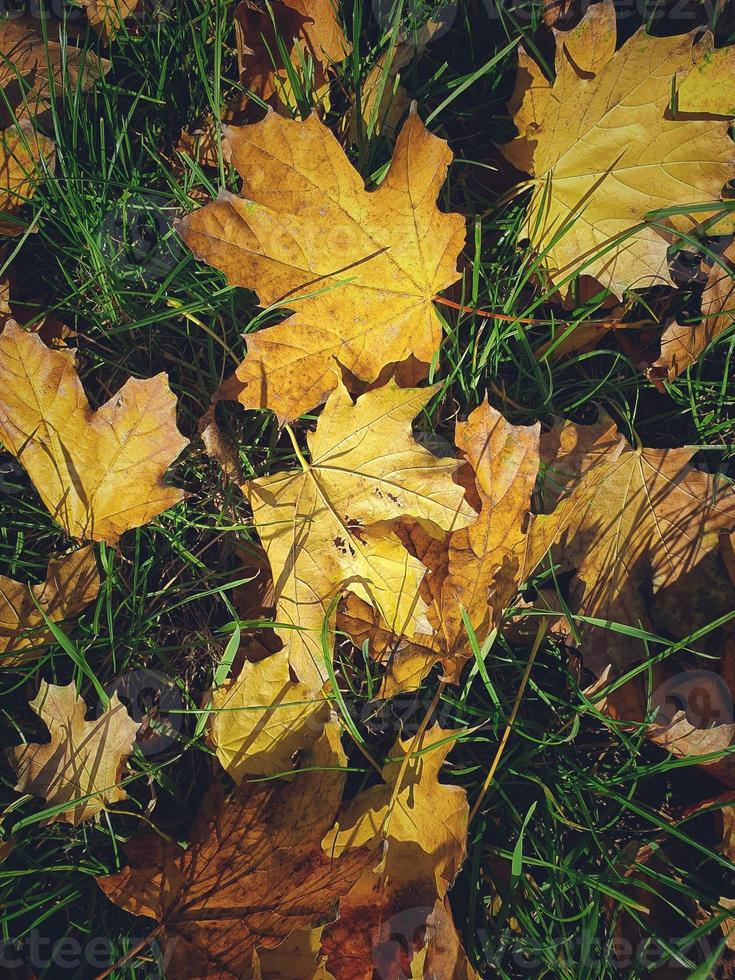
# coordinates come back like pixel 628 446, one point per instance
pixel 380 550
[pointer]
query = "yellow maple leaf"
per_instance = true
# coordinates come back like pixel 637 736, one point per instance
pixel 604 150
pixel 424 826
pixel 359 269
pixel 72 581
pixel 263 717
pixel 83 758
pixel 323 526
pixel 654 522
pixel 108 16
pixel 99 473
pixel 23 154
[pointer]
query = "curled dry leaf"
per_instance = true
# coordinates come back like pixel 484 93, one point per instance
pixel 604 150
pixel 83 758
pixel 253 872
pixel 323 526
pixel 72 581
pixel 99 473
pixel 657 519
pixel 359 268
pixel 263 718
pixel 384 918
pixel 681 344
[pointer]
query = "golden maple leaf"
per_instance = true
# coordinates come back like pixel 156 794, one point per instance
pixel 479 568
pixel 263 717
pixel 359 269
pixel 323 526
pixel 654 522
pixel 83 758
pixel 99 473
pixel 604 150
pixel 424 825
pixel 72 581
pixel 253 872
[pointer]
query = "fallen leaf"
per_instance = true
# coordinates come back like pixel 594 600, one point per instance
pixel 481 567
pixel 263 718
pixel 383 101
pixel 591 44
pixel 708 87
pixel 72 582
pixel 99 473
pixel 655 521
pixel 218 446
pixel 83 758
pixel 423 824
pixel 35 70
pixel 253 871
pixel 682 345
pixel 323 525
pixel 23 153
pixel 604 151
pixel 360 269
pixel 311 32
pixel 108 16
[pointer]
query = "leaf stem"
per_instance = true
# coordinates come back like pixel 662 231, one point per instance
pixel 292 436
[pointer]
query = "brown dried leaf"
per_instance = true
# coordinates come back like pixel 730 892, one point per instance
pixel 33 71
pixel 681 344
pixel 253 872
pixel 310 30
